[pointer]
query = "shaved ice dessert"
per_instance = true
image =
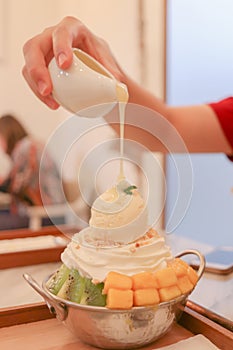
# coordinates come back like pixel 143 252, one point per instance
pixel 118 261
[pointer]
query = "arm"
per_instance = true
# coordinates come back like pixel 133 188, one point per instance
pixel 197 125
pixel 200 129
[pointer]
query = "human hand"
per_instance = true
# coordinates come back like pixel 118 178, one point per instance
pixel 58 41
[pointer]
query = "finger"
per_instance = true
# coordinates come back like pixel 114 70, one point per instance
pixel 68 34
pixel 48 100
pixel 65 36
pixel 62 46
pixel 37 53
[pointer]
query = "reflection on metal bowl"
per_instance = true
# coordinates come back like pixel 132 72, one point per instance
pixel 120 329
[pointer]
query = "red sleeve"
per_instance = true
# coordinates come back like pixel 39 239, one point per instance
pixel 224 112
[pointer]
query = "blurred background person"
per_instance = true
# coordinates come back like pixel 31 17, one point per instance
pixel 30 182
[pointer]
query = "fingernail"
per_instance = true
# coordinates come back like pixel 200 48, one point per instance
pixel 42 86
pixel 52 104
pixel 61 59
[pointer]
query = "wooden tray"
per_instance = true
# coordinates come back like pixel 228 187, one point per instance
pixel 37 256
pixel 32 326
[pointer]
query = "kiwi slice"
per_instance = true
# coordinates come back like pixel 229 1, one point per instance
pixel 73 287
pixel 57 280
pixel 68 284
pixel 92 294
pixel 77 286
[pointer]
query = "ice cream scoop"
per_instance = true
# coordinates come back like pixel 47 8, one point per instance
pixel 119 215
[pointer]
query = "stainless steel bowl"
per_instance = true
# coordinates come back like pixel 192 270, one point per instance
pixel 116 329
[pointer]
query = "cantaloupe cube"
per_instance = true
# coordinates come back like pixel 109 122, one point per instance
pixel 119 299
pixel 144 280
pixel 169 293
pixel 179 266
pixel 192 275
pixel 117 281
pixel 166 277
pixel 182 262
pixel 143 297
pixel 184 284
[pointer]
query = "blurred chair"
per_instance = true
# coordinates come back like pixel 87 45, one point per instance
pixel 74 204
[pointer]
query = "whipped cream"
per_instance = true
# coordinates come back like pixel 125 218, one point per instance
pixel 149 253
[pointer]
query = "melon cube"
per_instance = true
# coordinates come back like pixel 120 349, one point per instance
pixel 117 280
pixel 182 262
pixel 142 297
pixel 179 266
pixel 166 277
pixel 119 299
pixel 169 293
pixel 144 280
pixel 184 284
pixel 192 275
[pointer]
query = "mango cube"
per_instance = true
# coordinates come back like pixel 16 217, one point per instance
pixel 144 280
pixel 169 293
pixel 166 277
pixel 192 275
pixel 119 299
pixel 184 284
pixel 117 280
pixel 142 297
pixel 179 266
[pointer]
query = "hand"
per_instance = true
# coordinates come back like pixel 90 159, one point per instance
pixel 58 41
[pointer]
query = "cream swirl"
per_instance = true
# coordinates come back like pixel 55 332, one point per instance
pixel 148 253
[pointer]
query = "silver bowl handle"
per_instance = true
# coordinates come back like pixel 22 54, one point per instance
pixel 55 308
pixel 200 257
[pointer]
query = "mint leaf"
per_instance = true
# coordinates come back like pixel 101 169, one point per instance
pixel 129 189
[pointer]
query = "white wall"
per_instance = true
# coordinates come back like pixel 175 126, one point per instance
pixel 23 19
pixel 153 69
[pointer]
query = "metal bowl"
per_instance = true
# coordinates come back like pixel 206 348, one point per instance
pixel 116 329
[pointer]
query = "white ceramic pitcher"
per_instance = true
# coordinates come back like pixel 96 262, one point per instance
pixel 86 87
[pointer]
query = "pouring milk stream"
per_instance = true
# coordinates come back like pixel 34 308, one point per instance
pixel 118 216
